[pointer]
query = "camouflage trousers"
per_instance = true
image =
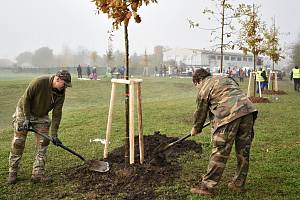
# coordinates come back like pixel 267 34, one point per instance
pixel 240 132
pixel 42 124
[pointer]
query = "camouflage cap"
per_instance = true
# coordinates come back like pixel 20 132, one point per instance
pixel 66 76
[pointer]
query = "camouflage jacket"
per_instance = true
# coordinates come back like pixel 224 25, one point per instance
pixel 40 98
pixel 223 100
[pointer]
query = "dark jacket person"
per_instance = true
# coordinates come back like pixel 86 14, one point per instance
pixel 41 96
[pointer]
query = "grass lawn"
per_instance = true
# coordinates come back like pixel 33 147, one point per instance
pixel 168 105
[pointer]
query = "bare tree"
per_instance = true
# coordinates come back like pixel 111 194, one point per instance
pixel 224 14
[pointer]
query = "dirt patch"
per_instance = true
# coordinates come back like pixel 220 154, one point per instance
pixel 136 181
pixel 259 100
pixel 272 92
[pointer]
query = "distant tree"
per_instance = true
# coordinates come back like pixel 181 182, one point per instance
pixel 43 57
pixel 94 57
pixel 25 57
pixel 271 42
pixel 296 53
pixel 157 57
pixel 118 58
pixel 251 33
pixel 109 57
pixel 224 14
pixel 67 57
pixel 4 63
pixel 82 56
pixel 109 51
pixel 121 11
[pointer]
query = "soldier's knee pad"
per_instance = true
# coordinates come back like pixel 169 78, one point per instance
pixel 19 143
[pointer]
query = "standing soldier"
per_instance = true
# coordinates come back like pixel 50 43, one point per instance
pixel 232 117
pixel 296 76
pixel 41 96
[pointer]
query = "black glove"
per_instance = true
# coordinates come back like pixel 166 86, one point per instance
pixel 26 125
pixel 56 141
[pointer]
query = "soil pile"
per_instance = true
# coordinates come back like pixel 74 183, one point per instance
pixel 136 181
pixel 259 100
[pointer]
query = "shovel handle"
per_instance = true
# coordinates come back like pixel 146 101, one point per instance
pixel 71 151
pixel 187 136
pixel 60 145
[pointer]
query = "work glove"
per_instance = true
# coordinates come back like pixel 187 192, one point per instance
pixel 56 141
pixel 26 125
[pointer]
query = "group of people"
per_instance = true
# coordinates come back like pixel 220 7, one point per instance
pixel 91 73
pixel 239 73
pixel 219 98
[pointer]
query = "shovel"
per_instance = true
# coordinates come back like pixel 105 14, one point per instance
pixel 93 165
pixel 158 152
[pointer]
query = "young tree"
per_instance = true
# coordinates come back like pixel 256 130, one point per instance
pixel 225 14
pixel 272 49
pixel 251 33
pixel 121 11
pixel 296 53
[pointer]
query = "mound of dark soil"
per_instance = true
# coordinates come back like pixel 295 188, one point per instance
pixel 272 92
pixel 137 181
pixel 259 100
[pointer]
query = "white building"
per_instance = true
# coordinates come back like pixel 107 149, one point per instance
pixel 208 59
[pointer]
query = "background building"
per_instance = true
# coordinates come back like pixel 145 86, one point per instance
pixel 194 58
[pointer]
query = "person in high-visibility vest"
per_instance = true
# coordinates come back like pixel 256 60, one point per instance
pixel 296 76
pixel 260 78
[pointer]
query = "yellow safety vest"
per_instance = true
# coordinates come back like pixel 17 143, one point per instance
pixel 259 77
pixel 296 73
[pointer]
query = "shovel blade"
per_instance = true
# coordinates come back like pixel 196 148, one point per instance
pixel 98 166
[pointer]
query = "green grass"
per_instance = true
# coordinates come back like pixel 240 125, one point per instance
pixel 168 105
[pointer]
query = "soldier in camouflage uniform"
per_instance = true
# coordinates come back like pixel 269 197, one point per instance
pixel 232 117
pixel 41 96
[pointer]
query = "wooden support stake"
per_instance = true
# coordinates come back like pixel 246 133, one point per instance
pixel 131 123
pixel 249 85
pixel 259 89
pixel 140 122
pixel 276 82
pixel 109 119
pixel 270 80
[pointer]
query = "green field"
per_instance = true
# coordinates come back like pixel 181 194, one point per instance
pixel 168 105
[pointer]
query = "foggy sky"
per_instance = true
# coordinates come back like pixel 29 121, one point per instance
pixel 31 24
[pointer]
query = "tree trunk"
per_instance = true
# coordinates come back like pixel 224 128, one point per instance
pixel 273 76
pixel 222 36
pixel 126 95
